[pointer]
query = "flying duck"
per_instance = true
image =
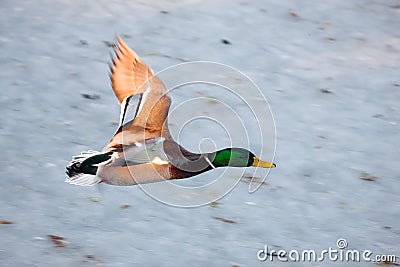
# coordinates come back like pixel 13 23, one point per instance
pixel 142 149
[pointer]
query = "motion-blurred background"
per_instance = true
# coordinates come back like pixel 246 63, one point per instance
pixel 329 69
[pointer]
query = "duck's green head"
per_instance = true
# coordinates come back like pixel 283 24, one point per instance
pixel 238 157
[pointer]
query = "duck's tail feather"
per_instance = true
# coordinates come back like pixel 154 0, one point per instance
pixel 83 168
pixel 83 179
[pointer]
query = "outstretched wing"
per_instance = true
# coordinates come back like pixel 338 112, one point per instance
pixel 137 90
pixel 128 72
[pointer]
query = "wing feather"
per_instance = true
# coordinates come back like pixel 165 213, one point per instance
pixel 130 76
pixel 128 72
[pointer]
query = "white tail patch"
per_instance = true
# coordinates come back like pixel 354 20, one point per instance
pixel 83 179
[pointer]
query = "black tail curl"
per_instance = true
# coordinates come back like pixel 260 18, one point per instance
pixel 86 165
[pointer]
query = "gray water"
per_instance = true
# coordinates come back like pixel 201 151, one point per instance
pixel 330 71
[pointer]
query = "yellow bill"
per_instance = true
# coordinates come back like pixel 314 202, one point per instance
pixel 262 164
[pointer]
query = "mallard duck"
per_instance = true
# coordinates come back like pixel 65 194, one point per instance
pixel 142 149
